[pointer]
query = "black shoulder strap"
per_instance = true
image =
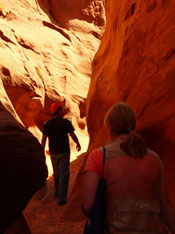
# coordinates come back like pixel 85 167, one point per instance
pixel 103 161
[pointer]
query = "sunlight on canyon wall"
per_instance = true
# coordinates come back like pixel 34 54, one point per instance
pixel 46 54
pixel 46 51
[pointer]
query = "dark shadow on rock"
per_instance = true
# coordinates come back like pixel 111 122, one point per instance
pixel 155 137
pixel 22 168
pixel 61 14
pixel 19 226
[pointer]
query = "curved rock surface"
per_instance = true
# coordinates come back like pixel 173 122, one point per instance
pixel 46 50
pixel 135 63
pixel 22 167
pixel 46 55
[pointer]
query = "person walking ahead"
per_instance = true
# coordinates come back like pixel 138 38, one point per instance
pixel 57 130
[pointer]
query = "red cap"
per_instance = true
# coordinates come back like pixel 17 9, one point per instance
pixel 54 107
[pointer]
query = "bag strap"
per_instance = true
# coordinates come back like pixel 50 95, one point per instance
pixel 103 161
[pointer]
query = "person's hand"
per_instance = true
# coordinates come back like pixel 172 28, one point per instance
pixel 78 147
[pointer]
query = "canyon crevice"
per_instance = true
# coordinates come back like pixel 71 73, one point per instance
pixel 47 50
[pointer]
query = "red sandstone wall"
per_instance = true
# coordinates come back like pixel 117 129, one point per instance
pixel 45 47
pixel 136 64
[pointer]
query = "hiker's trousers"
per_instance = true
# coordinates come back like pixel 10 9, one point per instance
pixel 60 163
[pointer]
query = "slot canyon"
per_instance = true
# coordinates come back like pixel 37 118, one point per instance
pixel 88 54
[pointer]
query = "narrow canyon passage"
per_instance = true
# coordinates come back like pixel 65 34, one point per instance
pixel 46 52
pixel 91 54
pixel 43 214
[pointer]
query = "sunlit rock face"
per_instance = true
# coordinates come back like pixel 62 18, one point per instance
pixel 136 64
pixel 46 52
pixel 22 167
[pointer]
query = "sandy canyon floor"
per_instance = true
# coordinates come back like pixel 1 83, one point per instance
pixel 43 215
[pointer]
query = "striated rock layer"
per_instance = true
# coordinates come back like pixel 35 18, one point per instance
pixel 135 63
pixel 46 52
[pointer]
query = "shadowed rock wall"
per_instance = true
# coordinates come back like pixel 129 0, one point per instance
pixel 136 64
pixel 22 167
pixel 46 53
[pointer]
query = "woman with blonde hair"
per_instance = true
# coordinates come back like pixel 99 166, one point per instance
pixel 136 196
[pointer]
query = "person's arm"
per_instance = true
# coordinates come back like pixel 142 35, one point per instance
pixel 91 181
pixel 43 141
pixel 168 209
pixel 75 139
pixel 93 172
